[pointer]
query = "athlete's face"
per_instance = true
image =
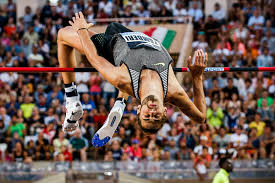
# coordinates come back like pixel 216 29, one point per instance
pixel 151 114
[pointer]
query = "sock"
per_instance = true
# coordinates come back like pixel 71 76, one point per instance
pixel 70 90
pixel 122 99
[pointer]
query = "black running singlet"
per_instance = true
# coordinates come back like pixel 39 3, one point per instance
pixel 137 51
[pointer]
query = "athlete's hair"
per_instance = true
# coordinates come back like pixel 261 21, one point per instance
pixel 153 130
pixel 222 161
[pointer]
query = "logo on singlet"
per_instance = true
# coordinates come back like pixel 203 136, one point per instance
pixel 160 63
pixel 138 39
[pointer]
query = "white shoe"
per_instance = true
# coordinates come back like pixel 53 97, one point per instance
pixel 106 132
pixel 74 112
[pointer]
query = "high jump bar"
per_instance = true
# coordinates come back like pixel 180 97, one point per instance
pixel 90 69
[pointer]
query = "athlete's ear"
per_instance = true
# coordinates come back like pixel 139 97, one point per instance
pixel 138 109
pixel 165 111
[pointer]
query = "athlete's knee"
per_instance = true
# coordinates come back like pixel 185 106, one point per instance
pixel 62 32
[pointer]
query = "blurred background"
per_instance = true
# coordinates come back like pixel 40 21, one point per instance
pixel 240 106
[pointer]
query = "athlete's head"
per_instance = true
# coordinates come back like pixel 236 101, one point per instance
pixel 151 114
pixel 226 164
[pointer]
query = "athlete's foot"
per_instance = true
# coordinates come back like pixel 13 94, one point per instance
pixel 106 132
pixel 74 112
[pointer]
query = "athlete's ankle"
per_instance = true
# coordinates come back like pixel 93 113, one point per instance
pixel 70 90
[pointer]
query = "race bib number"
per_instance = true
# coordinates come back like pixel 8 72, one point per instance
pixel 138 39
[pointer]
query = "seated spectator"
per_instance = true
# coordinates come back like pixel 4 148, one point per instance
pixel 60 141
pixel 203 143
pixel 267 143
pixel 26 47
pixel 10 28
pixel 184 152
pixel 257 20
pixel 218 14
pixel 28 16
pixel 215 115
pixel 241 32
pixel 239 139
pixel 18 154
pixel 66 153
pixel 258 124
pixel 27 107
pixel 49 131
pixel 253 144
pixel 202 162
pixel 135 150
pixel 172 149
pixel 222 138
pixel 170 6
pixel 116 150
pixel 232 117
pixel 142 12
pixel 195 12
pixel 106 6
pixel 13 105
pixel 55 93
pixel 16 127
pixel 200 43
pixel 31 36
pixel 189 136
pixel 2 131
pixel 154 8
pixel 265 60
pixel 230 89
pixel 87 103
pixel 79 146
pixel 179 11
pixel 270 41
pixel 266 112
pixel 42 146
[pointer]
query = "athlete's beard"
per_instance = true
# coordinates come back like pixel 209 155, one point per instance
pixel 147 99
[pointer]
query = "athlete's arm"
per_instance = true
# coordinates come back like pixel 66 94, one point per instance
pixel 195 111
pixel 109 72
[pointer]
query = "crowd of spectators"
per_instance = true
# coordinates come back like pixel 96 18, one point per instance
pixel 240 106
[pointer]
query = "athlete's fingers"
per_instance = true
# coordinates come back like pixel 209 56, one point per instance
pixel 199 57
pixel 205 59
pixel 76 15
pixel 73 19
pixel 71 23
pixel 81 14
pixel 90 25
pixel 196 57
pixel 202 58
pixel 189 62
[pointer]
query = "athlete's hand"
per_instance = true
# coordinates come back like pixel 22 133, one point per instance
pixel 197 68
pixel 78 22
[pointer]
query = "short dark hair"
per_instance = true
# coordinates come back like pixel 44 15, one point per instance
pixel 222 161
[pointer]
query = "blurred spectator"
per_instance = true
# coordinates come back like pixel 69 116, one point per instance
pixel 16 127
pixel 28 16
pixel 79 146
pixel 257 20
pixel 135 150
pixel 27 107
pixel 60 141
pixel 116 150
pixel 265 60
pixel 218 14
pixel 266 112
pixel 202 162
pixel 35 58
pixel 106 6
pixel 195 12
pixel 172 149
pixel 258 124
pixel 267 143
pixel 87 103
pixel 178 10
pixel 230 89
pixel 203 143
pixel 31 36
pixel 222 139
pixel 215 115
pixel 239 139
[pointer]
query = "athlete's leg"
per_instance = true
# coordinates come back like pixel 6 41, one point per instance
pixel 68 41
pixel 106 132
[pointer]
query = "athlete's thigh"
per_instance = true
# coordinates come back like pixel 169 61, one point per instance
pixel 70 38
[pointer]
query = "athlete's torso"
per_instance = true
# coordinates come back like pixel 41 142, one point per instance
pixel 138 52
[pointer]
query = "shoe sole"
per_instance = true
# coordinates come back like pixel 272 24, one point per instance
pixel 106 132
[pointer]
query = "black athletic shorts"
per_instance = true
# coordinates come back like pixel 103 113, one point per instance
pixel 104 42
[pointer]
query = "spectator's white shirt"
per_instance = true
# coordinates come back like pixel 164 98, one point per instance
pixel 163 132
pixel 196 14
pixel 175 115
pixel 170 7
pixel 179 12
pixel 199 45
pixel 239 140
pixel 219 15
pixel 256 20
pixel 36 57
pixel 82 88
pixel 224 51
pixel 7 121
pixel 271 89
pixel 198 150
pixel 8 78
pixel 142 14
pixel 106 7
pixel 242 34
pixel 82 77
pixel 107 87
pixel 153 7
